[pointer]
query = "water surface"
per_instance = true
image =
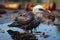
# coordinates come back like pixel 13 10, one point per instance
pixel 6 19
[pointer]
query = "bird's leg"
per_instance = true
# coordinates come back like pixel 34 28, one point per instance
pixel 31 31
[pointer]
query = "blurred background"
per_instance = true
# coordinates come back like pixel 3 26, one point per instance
pixel 34 1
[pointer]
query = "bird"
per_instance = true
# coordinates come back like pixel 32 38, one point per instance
pixel 31 19
pixel 26 21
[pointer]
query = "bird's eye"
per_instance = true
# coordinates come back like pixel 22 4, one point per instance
pixel 42 10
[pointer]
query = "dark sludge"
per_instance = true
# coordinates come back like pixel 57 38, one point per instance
pixel 21 36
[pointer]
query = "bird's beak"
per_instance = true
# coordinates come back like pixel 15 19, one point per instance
pixel 48 12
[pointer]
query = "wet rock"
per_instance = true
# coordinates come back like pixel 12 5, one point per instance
pixel 21 36
pixel 2 11
pixel 44 35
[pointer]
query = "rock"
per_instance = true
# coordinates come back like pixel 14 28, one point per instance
pixel 21 36
pixel 44 35
pixel 2 11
